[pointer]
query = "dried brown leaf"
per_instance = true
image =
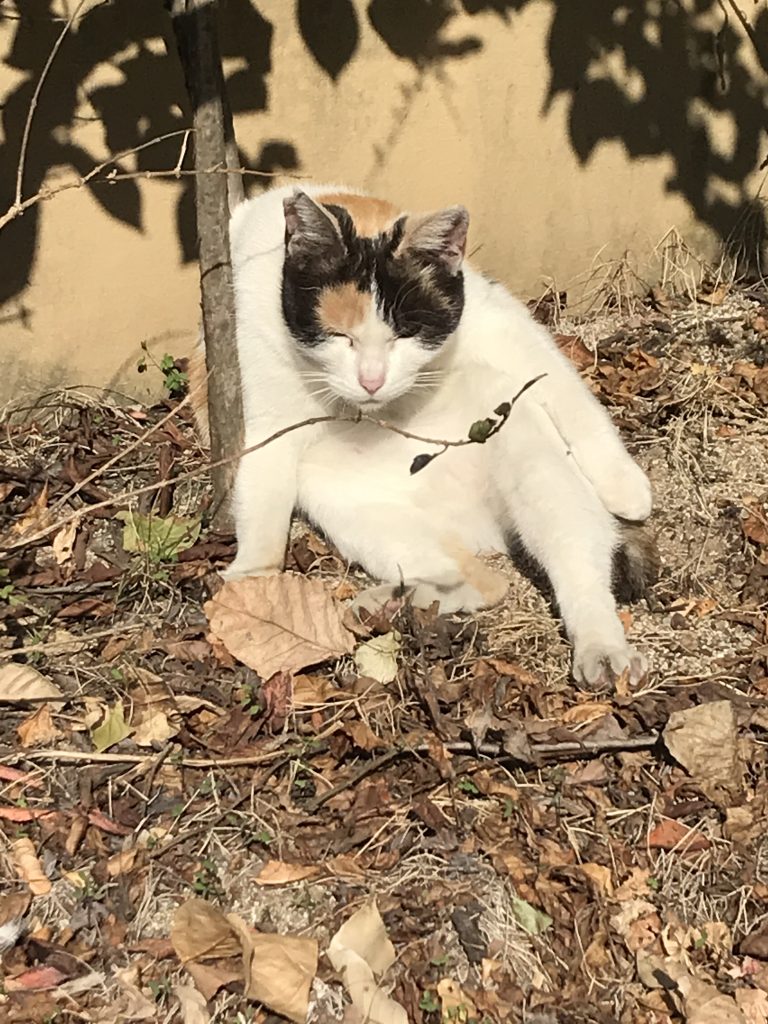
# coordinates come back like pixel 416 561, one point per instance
pixel 28 866
pixel 63 543
pixel 37 517
pixel 716 297
pixel 363 736
pixel 279 969
pixel 211 978
pixel 704 741
pixel 22 682
pixel 753 1003
pixel 200 931
pixel 122 863
pixel 600 877
pixel 672 834
pixel 277 872
pixel 36 979
pixel 38 728
pixel 755 525
pixel 137 1006
pixel 455 1004
pixel 192 1005
pixel 278 623
pixel 362 951
pixel 24 813
pixel 14 906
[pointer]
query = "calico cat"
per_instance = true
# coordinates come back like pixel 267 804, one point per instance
pixel 345 303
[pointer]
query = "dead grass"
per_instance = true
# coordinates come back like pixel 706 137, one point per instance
pixel 433 833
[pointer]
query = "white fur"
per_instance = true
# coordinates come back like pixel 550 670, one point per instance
pixel 556 473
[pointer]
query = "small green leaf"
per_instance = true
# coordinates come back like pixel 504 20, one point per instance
pixel 529 918
pixel 166 363
pixel 377 658
pixel 160 539
pixel 480 430
pixel 113 729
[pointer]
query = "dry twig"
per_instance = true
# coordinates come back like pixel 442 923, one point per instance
pixel 358 417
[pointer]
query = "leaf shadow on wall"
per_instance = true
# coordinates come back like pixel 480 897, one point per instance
pixel 650 75
pixel 119 69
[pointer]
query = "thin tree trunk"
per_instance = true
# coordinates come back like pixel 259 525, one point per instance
pixel 195 27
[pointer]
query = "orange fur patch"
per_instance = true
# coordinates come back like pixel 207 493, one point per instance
pixel 370 216
pixel 490 584
pixel 342 308
pixel 198 393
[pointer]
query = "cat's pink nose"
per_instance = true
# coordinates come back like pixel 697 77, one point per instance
pixel 371 382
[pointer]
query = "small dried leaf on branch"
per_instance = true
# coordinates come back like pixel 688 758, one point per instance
pixel 278 623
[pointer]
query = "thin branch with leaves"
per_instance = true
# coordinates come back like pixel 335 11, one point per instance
pixel 479 433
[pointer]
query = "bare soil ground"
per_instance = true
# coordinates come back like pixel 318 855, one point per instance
pixel 537 853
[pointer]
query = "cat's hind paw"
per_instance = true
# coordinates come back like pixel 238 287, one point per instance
pixel 241 570
pixel 625 491
pixel 597 665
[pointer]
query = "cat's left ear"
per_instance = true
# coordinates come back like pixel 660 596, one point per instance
pixel 440 236
pixel 312 234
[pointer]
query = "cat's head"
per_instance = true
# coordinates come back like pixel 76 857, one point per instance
pixel 371 312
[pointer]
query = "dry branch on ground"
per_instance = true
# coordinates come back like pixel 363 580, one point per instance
pixel 532 849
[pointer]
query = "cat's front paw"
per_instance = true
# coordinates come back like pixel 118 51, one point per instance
pixel 624 489
pixel 598 665
pixel 241 570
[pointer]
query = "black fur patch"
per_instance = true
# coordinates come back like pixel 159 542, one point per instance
pixel 416 293
pixel 634 569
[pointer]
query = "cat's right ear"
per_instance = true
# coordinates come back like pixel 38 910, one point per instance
pixel 312 234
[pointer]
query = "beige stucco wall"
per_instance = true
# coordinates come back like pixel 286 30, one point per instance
pixel 471 130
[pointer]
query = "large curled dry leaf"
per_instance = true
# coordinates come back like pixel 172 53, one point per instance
pixel 361 951
pixel 700 1002
pixel 278 623
pixel 22 682
pixel 201 932
pixel 277 970
pixel 704 741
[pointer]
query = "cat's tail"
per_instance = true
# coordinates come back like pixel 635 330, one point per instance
pixel 636 562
